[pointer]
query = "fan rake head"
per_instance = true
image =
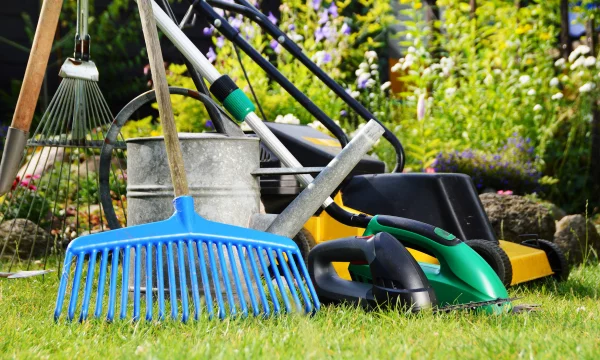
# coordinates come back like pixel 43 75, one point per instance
pixel 223 268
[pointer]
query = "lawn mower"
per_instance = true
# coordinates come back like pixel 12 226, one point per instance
pixel 448 201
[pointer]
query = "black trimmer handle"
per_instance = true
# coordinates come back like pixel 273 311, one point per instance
pixel 396 276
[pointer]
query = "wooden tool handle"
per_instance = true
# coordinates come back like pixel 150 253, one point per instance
pixel 159 77
pixel 36 65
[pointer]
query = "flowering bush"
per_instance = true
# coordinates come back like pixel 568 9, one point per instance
pixel 498 74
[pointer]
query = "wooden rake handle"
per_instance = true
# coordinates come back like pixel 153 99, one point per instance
pixel 165 110
pixel 36 65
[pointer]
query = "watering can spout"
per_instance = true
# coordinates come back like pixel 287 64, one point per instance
pixel 184 211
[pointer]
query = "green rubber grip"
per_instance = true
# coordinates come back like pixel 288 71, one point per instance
pixel 238 105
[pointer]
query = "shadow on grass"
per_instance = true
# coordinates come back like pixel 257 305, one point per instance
pixel 582 283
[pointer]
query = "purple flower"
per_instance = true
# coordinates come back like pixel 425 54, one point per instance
pixel 209 124
pixel 275 46
pixel 220 41
pixel 292 27
pixel 323 17
pixel 316 4
pixel 329 32
pixel 272 18
pixel 236 23
pixel 319 35
pixel 343 113
pixel 345 29
pixel 207 31
pixel 211 55
pixel 333 10
pixel 326 58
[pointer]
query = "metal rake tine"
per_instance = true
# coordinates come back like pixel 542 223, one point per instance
pixel 300 282
pixel 75 288
pixel 125 282
pixel 185 311
pixel 193 279
pixel 205 282
pixel 286 301
pixel 242 258
pixel 236 280
pixel 160 281
pixel 261 291
pixel 149 282
pixel 87 293
pixel 101 280
pixel 64 280
pixel 137 279
pixel 112 293
pixel 226 281
pixel 215 274
pixel 286 273
pixel 172 284
pixel 276 307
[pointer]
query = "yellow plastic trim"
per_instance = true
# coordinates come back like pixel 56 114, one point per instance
pixel 527 263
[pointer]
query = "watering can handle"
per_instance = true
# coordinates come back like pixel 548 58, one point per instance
pixel 165 109
pixel 16 138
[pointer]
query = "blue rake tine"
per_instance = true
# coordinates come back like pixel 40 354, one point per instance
pixel 241 257
pixel 261 291
pixel 125 282
pixel 282 292
pixel 288 279
pixel 137 274
pixel 87 293
pixel 185 311
pixel 75 290
pixel 308 282
pixel 276 307
pixel 193 279
pixel 204 276
pixel 149 282
pixel 307 302
pixel 64 280
pixel 215 274
pixel 160 281
pixel 101 280
pixel 172 284
pixel 112 293
pixel 223 264
pixel 236 279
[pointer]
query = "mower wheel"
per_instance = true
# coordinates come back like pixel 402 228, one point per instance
pixel 305 242
pixel 493 254
pixel 556 257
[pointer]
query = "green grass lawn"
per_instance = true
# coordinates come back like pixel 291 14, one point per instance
pixel 566 327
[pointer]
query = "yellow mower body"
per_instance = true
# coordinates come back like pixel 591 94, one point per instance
pixel 527 263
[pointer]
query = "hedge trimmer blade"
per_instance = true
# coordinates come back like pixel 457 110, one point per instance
pixel 477 305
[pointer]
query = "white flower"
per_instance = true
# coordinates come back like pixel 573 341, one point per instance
pixel 296 37
pixel 554 81
pixel 489 79
pixel 371 95
pixel 577 63
pixel 557 96
pixel 287 119
pixel 318 126
pixel 374 72
pixel 421 107
pixel 537 107
pixel 581 308
pixel 524 79
pixel 497 71
pixel 531 92
pixel 355 94
pixel 450 91
pixel 363 78
pixel 374 67
pixel 589 61
pixel 408 60
pixel 370 83
pixel 559 63
pixel 411 49
pixel 397 66
pixel 358 72
pixel 587 87
pixel 364 66
pixel 371 56
pixel 410 98
pixel 385 85
pixel 427 71
pixel 564 78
